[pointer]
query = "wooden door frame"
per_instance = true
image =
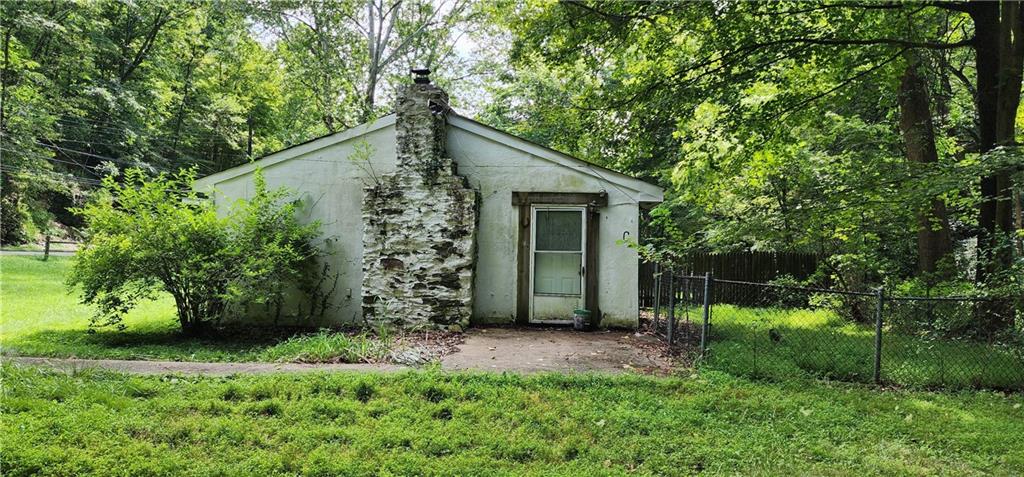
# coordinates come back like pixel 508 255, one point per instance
pixel 525 201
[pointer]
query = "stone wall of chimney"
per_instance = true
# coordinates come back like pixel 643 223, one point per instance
pixel 419 225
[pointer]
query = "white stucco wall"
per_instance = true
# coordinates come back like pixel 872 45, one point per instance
pixel 331 185
pixel 496 170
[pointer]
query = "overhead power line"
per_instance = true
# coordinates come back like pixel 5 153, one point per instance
pixel 89 154
pixel 48 158
pixel 43 175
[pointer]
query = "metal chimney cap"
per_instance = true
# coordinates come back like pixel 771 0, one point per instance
pixel 422 75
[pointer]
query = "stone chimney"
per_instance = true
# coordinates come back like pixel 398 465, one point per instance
pixel 419 223
pixel 422 109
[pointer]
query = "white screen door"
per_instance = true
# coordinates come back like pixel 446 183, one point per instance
pixel 559 236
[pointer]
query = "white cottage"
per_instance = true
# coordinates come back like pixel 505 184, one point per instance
pixel 433 219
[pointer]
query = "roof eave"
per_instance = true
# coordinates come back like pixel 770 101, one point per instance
pixel 643 191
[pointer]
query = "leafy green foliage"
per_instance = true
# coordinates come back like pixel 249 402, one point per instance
pixel 472 424
pixel 91 88
pixel 273 248
pixel 772 125
pixel 149 235
pixel 332 346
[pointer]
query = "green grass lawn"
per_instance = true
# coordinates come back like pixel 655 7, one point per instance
pixel 792 343
pixel 427 423
pixel 98 423
pixel 40 317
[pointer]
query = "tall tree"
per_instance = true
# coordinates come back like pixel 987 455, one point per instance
pixel 999 48
pixel 348 53
pixel 90 88
pixel 933 236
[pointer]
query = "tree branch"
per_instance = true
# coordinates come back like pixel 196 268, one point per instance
pixel 960 75
pixel 962 7
pixel 866 6
pixel 837 87
pixel 614 18
pixel 162 17
pixel 934 45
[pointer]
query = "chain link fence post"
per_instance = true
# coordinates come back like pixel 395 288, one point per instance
pixel 705 326
pixel 657 297
pixel 880 307
pixel 671 308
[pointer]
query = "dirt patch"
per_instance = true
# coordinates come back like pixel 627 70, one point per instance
pixel 685 349
pixel 422 347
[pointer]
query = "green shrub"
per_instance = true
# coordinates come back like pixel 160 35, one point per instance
pixel 146 235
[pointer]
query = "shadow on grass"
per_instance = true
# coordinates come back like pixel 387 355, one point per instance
pixel 227 344
pixel 799 343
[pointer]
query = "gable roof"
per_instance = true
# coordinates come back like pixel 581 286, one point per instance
pixel 645 191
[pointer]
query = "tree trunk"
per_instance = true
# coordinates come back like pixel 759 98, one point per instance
pixel 190 318
pixel 248 144
pixel 185 318
pixel 1018 205
pixel 998 48
pixel 933 237
pixel 1011 62
pixel 999 51
pixel 368 99
pixel 373 46
pixel 5 79
pixel 986 48
pixel 196 53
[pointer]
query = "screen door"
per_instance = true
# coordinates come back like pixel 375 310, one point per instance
pixel 559 237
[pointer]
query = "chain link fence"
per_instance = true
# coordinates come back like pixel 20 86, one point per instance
pixel 775 331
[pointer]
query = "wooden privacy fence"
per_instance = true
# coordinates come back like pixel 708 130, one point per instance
pixel 742 266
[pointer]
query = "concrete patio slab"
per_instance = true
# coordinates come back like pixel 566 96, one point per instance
pixel 527 350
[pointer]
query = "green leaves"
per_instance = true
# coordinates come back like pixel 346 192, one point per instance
pixel 273 244
pixel 771 125
pixel 148 234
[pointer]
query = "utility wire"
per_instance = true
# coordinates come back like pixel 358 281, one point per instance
pixel 42 175
pixel 62 179
pixel 48 158
pixel 107 158
pixel 120 126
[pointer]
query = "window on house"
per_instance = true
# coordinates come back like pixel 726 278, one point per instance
pixel 558 252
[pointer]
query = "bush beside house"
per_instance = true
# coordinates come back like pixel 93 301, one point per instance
pixel 147 235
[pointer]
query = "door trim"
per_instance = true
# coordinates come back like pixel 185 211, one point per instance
pixel 523 200
pixel 582 209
